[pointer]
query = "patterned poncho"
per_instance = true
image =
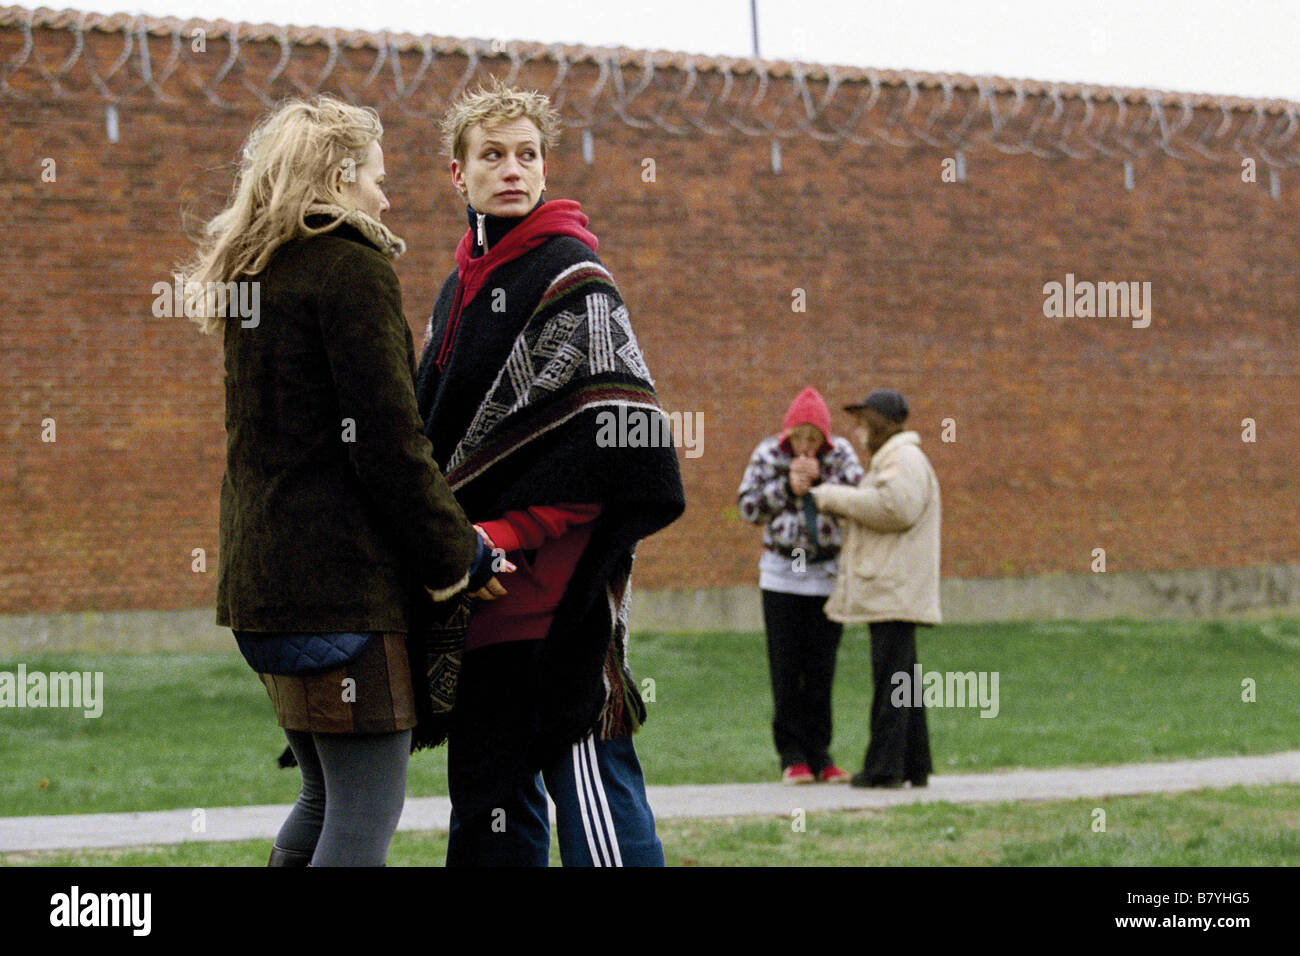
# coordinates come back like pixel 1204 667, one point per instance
pixel 529 349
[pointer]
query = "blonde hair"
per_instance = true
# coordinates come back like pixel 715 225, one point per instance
pixel 292 160
pixel 491 105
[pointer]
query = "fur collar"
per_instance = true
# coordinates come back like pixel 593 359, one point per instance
pixel 375 232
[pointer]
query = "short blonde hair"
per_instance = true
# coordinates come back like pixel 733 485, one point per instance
pixel 491 105
pixel 292 160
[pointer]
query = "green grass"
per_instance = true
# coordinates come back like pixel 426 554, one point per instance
pixel 196 730
pixel 1070 694
pixel 1240 826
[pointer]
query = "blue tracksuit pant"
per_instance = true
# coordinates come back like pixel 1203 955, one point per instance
pixel 498 797
pixel 602 816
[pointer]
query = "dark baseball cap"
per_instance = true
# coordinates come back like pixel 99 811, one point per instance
pixel 888 402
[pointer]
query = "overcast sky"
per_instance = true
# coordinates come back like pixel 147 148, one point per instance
pixel 1242 47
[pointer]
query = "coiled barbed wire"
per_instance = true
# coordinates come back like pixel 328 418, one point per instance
pixel 669 93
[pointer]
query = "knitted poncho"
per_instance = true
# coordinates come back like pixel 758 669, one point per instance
pixel 516 371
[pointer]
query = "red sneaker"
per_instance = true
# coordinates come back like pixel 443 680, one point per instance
pixel 798 773
pixel 833 774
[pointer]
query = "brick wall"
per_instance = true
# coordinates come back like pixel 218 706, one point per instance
pixel 1071 434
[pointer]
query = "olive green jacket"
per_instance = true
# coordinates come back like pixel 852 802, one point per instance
pixel 333 512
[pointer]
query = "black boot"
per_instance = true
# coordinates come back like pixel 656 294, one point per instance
pixel 281 857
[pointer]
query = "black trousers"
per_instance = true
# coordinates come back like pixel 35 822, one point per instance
pixel 900 742
pixel 801 648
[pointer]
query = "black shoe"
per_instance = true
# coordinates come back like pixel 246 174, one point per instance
pixel 888 783
pixel 919 781
pixel 281 857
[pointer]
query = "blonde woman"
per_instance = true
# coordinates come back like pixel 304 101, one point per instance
pixel 333 511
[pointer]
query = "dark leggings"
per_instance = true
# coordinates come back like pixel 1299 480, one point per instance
pixel 353 788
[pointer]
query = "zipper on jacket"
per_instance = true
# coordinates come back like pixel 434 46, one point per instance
pixel 482 231
pixel 449 334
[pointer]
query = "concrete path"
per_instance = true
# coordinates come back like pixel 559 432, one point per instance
pixel 216 824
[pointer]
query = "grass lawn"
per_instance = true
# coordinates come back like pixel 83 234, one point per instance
pixel 1240 826
pixel 196 730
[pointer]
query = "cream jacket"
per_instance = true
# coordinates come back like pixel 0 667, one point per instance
pixel 889 565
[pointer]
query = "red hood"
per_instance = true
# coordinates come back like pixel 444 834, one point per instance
pixel 808 408
pixel 556 217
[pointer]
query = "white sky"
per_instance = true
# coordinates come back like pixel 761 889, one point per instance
pixel 1239 47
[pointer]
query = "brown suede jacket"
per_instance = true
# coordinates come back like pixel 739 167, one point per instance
pixel 333 512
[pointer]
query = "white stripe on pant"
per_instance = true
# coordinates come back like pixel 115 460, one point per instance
pixel 597 821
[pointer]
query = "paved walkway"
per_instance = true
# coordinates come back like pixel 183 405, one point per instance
pixel 83 831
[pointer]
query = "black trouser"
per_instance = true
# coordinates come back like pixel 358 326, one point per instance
pixel 900 743
pixel 801 648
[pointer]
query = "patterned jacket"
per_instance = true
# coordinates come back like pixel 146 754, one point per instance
pixel 765 498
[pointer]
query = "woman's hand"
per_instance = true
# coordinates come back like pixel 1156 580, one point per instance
pixel 494 588
pixel 490 591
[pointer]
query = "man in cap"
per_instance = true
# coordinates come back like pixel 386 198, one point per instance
pixel 889 578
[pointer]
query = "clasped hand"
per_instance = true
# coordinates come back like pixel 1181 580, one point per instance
pixel 804 472
pixel 494 588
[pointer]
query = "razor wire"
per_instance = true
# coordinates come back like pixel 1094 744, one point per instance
pixel 672 94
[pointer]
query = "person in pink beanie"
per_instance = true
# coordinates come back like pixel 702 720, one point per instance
pixel 797 572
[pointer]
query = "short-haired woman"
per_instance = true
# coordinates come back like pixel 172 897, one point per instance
pixel 333 512
pixel 529 349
